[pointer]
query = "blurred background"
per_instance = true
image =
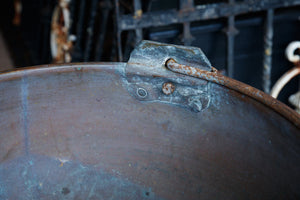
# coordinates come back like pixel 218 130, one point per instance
pixel 245 39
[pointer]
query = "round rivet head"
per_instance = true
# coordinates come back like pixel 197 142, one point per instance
pixel 141 92
pixel 168 88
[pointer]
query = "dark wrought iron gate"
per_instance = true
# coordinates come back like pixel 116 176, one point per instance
pixel 244 38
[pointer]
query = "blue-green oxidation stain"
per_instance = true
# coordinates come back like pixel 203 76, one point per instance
pixel 24 113
pixel 46 178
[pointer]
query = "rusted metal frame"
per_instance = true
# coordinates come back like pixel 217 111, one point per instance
pixel 106 8
pixel 268 43
pixel 90 30
pixel 119 30
pixel 187 6
pixel 210 11
pixel 215 77
pixel 79 29
pixel 138 12
pixel 230 31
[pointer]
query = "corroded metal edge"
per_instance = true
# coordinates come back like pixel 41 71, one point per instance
pixel 217 78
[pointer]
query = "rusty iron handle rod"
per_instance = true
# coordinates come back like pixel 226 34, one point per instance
pixel 215 77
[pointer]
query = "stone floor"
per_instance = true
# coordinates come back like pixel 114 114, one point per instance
pixel 6 62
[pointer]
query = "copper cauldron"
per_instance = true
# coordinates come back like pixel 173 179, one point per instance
pixel 165 125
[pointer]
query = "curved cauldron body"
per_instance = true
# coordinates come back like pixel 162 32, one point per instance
pixel 97 132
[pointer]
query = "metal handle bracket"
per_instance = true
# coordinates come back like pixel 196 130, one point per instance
pixel 149 79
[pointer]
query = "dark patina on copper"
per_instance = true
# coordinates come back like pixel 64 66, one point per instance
pixel 80 131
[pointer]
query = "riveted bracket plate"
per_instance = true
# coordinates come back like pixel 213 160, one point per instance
pixel 146 75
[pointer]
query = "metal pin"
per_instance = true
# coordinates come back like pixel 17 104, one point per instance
pixel 168 88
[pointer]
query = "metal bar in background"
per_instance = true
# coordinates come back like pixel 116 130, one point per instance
pixel 105 9
pixel 39 35
pixel 130 42
pixel 230 31
pixel 203 12
pixel 44 50
pixel 90 30
pixel 187 6
pixel 138 12
pixel 6 62
pixel 119 30
pixel 72 7
pixel 268 43
pixel 79 30
pixel 114 47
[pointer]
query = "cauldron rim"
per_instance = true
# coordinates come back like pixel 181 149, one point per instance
pixel 244 89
